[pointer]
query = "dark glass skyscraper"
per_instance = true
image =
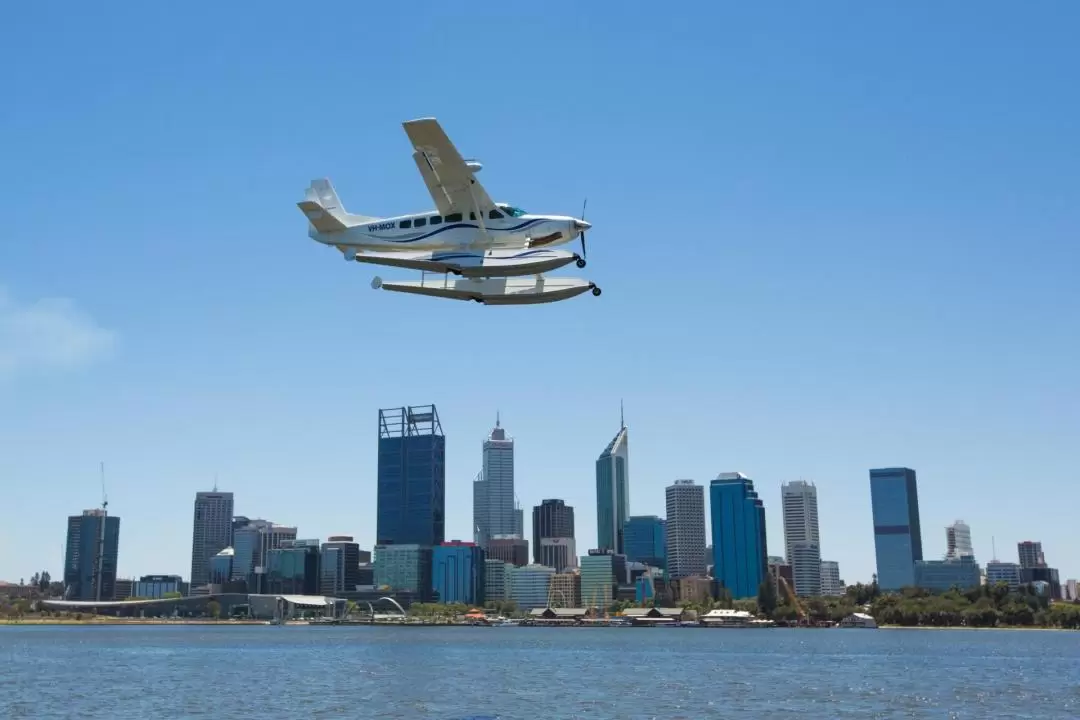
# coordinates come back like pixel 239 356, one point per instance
pixel 458 572
pixel 93 541
pixel 553 535
pixel 411 503
pixel 894 497
pixel 740 553
pixel 644 537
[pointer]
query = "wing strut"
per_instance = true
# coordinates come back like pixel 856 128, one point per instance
pixel 479 215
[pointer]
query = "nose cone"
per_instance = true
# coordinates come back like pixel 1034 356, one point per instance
pixel 581 225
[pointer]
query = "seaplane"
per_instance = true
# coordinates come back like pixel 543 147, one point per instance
pixel 477 249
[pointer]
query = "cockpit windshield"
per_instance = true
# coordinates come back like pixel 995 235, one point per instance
pixel 512 211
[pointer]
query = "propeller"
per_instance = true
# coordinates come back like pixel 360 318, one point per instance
pixel 583 204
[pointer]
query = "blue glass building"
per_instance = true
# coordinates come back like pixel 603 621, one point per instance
pixel 411 502
pixel 644 537
pixel 613 493
pixel 93 541
pixel 457 573
pixel 894 496
pixel 293 568
pixel 740 553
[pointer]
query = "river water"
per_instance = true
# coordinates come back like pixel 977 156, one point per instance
pixel 534 673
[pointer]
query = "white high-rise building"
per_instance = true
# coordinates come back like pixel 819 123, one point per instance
pixel 958 541
pixel 211 532
pixel 831 584
pixel 685 529
pixel 494 512
pixel 802 541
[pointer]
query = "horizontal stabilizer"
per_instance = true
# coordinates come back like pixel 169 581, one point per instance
pixel 323 221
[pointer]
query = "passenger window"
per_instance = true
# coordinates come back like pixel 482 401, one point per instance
pixel 472 216
pixel 436 220
pixel 405 224
pixel 420 222
pixel 453 217
pixel 495 215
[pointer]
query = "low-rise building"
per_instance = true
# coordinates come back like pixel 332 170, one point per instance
pixel 942 575
pixel 529 585
pixel 156 586
pixel 565 590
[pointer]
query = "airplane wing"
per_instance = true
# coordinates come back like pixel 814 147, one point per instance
pixel 452 185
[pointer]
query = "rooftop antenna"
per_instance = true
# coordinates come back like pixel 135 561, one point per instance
pixel 496 418
pixel 622 415
pixel 215 482
pixel 993 548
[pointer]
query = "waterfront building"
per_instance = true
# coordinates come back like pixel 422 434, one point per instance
pixel 496 580
pixel 565 590
pixel 738 533
pixel 156 586
pixel 293 568
pixel 958 541
pixel 404 567
pixel 508 548
pixel 124 588
pixel 251 544
pixel 457 574
pixel 598 579
pixel 613 491
pixel 1031 554
pixel 1006 572
pixel 494 513
pixel 411 503
pixel 802 540
pixel 553 535
pixel 685 529
pixel 831 584
pixel 645 538
pixel 90 556
pixel 529 585
pixel 695 589
pixel 1044 574
pixel 211 532
pixel 894 497
pixel 220 568
pixel 941 575
pixel 339 566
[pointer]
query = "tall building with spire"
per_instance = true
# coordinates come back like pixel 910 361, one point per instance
pixel 613 490
pixel 494 510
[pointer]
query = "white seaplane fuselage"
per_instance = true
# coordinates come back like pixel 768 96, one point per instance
pixel 506 242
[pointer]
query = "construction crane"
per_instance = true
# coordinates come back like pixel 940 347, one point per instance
pixel 99 559
pixel 793 598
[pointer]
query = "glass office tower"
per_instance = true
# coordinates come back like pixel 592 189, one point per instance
pixel 740 554
pixel 894 497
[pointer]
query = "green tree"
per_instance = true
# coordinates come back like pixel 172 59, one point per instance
pixel 172 595
pixel 213 609
pixel 766 597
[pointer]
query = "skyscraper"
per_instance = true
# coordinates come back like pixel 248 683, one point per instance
pixel 211 532
pixel 553 535
pixel 894 497
pixel 685 529
pixel 93 541
pixel 1031 554
pixel 801 539
pixel 958 541
pixel 339 565
pixel 645 538
pixel 494 512
pixel 252 543
pixel 411 503
pixel 740 554
pixel 458 572
pixel 613 492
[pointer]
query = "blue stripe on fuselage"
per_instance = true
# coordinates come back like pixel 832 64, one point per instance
pixel 456 226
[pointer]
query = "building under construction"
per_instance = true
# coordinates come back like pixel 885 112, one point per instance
pixel 93 541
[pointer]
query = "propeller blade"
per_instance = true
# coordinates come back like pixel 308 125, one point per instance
pixel 583 254
pixel 584 204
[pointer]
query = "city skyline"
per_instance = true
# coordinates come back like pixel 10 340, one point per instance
pixel 949 530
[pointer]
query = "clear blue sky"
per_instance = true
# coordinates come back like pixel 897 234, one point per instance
pixel 831 237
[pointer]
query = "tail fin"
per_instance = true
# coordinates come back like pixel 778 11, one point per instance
pixel 324 210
